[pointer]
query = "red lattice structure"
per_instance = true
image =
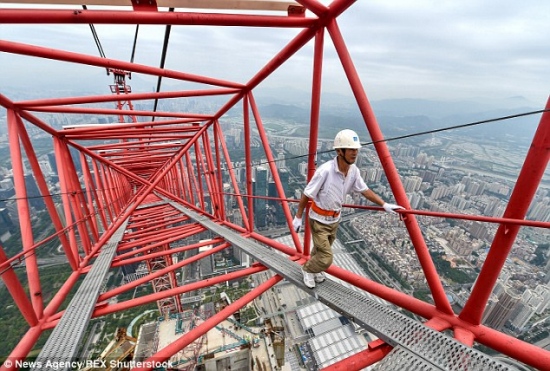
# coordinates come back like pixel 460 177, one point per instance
pixel 129 169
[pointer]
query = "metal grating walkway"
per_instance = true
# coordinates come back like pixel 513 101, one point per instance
pixel 416 347
pixel 61 347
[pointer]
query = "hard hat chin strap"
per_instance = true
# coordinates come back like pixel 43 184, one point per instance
pixel 343 156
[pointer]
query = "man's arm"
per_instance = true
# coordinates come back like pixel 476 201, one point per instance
pixel 297 222
pixel 373 197
pixel 302 205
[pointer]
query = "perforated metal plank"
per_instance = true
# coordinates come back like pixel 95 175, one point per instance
pixel 62 345
pixel 416 347
pixel 403 360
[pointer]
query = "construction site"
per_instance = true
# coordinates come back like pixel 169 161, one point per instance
pixel 290 330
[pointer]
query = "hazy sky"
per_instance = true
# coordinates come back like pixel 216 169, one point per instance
pixel 402 49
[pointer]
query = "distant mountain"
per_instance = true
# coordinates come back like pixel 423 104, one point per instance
pixel 441 109
pixel 398 117
pixel 287 112
pixel 300 98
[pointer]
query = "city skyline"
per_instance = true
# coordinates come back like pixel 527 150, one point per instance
pixel 149 192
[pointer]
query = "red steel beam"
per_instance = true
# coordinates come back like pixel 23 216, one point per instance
pixel 212 177
pixel 273 169
pixel 102 310
pixel 17 292
pixel 524 191
pixel 22 349
pixel 139 125
pixel 314 124
pixel 121 197
pixel 524 352
pixel 202 174
pixel 219 180
pixel 248 161
pixel 60 55
pixel 27 104
pixel 479 218
pixel 49 16
pixel 44 190
pixel 114 111
pixel 23 210
pixel 390 170
pixel 232 176
pixel 76 199
pixel 145 244
pixel 100 194
pixel 137 258
pixel 165 353
pixel 361 360
pixel 160 273
pixel 148 235
pixel 62 168
pixel 90 187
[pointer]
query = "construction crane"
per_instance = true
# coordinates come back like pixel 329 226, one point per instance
pixel 119 352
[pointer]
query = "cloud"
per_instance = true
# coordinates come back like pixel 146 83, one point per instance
pixel 401 49
pixel 450 49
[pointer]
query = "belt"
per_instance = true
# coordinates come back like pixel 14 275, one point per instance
pixel 323 212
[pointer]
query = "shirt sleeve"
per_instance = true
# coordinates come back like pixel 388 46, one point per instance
pixel 316 183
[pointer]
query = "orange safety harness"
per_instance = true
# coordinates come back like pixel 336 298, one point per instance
pixel 323 212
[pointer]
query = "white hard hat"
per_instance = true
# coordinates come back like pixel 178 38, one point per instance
pixel 347 139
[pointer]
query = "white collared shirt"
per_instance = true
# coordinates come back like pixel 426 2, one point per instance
pixel 329 186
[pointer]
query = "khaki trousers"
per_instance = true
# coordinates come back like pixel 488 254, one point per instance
pixel 323 235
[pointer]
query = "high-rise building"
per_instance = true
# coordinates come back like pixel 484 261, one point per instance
pixel 374 175
pixel 428 176
pixel 281 160
pixel 479 230
pixel 6 224
pixel 439 192
pixel 302 168
pixel 33 194
pixel 260 190
pixel 236 217
pixel 272 194
pixel 416 199
pixel 546 279
pixel 412 183
pixel 522 315
pixel 75 154
pixel 228 198
pixel 53 163
pixel 284 176
pixel 498 313
pixel 6 183
pixel 460 203
pixel 277 207
pixel 206 264
pixel 544 292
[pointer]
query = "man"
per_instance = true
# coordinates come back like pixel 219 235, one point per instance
pixel 328 188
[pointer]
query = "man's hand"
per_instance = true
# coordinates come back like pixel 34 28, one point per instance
pixel 297 224
pixel 390 208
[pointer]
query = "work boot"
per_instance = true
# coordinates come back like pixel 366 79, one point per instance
pixel 319 277
pixel 309 281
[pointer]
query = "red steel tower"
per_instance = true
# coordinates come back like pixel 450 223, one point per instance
pixel 149 190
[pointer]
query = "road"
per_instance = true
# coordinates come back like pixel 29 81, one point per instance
pixel 45 262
